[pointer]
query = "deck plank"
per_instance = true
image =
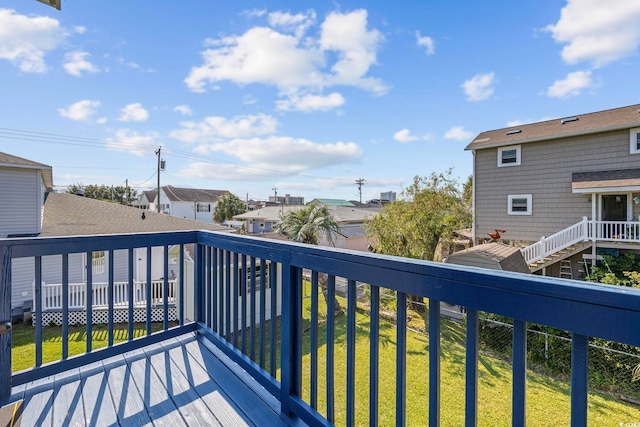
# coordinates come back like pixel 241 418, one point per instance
pixel 99 408
pixel 157 400
pixel 126 398
pixel 68 408
pixel 209 391
pixel 210 366
pixel 38 403
pixel 194 411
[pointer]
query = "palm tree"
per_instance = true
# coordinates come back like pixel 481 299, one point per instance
pixel 307 225
pixel 228 206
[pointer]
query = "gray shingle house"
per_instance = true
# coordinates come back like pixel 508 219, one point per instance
pixel 565 187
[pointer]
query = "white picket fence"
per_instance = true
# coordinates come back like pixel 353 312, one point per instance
pixel 52 295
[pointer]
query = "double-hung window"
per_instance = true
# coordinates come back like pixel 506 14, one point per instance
pixel 509 156
pixel 634 141
pixel 519 204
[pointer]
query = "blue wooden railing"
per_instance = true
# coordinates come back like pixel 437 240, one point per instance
pixel 233 307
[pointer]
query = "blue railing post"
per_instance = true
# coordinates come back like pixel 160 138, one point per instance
pixel 198 286
pixel 579 379
pixel 471 379
pixel 434 362
pixel 290 328
pixel 5 322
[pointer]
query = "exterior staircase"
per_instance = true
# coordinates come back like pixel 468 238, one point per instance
pixel 560 256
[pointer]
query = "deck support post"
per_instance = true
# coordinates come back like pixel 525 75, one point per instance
pixel 5 319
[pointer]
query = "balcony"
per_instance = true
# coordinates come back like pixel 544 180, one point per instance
pixel 256 343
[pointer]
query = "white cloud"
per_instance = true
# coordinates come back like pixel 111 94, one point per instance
pixel 479 87
pixel 458 132
pixel 597 31
pixel 25 40
pixel 572 85
pixel 75 63
pixel 101 120
pixel 213 128
pixel 261 54
pixel 277 155
pixel 81 110
pixel 80 29
pixel 133 113
pixel 426 42
pixel 183 109
pixel 309 103
pixel 404 136
pixel 251 13
pixel 133 142
pixel 297 24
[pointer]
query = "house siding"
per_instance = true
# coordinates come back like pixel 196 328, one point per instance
pixel 545 173
pixel 19 201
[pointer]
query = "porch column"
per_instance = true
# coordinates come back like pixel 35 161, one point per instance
pixel 594 231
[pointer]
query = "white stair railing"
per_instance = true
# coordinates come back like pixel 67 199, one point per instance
pixel 547 246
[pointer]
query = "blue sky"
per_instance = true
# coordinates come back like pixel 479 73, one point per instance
pixel 305 97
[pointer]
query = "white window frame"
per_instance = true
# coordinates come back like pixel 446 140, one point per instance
pixel 509 148
pixel 512 197
pixel 634 135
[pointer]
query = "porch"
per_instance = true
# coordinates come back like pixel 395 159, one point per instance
pixel 298 367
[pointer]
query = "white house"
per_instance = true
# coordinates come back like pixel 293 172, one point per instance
pixel 192 203
pixel 23 186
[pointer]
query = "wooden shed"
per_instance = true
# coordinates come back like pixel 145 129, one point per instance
pixel 494 256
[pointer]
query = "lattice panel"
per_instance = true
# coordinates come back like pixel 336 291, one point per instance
pixel 102 316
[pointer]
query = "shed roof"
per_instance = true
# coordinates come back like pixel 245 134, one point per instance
pixel 71 215
pixel 9 160
pixel 509 258
pixel 600 121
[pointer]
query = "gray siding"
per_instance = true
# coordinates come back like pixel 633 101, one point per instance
pixel 545 173
pixel 19 201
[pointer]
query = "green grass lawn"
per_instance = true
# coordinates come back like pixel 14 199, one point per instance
pixel 23 354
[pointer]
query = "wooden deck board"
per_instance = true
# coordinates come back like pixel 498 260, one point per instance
pixel 178 382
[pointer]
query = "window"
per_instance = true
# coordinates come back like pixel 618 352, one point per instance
pixel 509 156
pixel 634 140
pixel 267 280
pixel 203 207
pixel 519 204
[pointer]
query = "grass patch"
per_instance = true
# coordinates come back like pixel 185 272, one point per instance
pixel 23 352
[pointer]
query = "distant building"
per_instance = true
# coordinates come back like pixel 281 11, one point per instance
pixel 286 200
pixel 388 196
pixel 191 203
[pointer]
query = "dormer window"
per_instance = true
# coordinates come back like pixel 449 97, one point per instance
pixel 634 141
pixel 509 156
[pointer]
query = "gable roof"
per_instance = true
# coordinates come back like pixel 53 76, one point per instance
pixel 8 160
pixel 600 121
pixel 71 215
pixel 191 195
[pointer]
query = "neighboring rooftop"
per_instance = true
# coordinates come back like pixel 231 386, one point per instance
pixel 11 161
pixel 601 121
pixel 340 213
pixel 176 194
pixel 71 215
pixel 503 257
pixel 332 202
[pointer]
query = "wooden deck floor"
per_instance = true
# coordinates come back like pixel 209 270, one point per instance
pixel 179 382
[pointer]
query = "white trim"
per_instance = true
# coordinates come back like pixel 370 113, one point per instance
pixel 510 199
pixel 614 190
pixel 518 150
pixel 634 135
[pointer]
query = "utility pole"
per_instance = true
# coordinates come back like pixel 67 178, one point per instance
pixel 160 166
pixel 127 192
pixel 360 183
